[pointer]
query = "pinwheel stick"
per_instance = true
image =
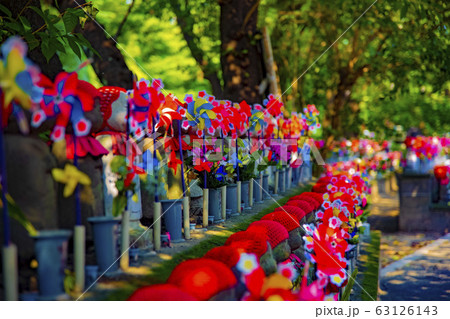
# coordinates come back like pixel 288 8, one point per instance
pixel 186 226
pixel 6 225
pixel 205 182
pixel 77 189
pixel 154 157
pixel 79 232
pixel 183 184
pixel 9 251
pixel 237 158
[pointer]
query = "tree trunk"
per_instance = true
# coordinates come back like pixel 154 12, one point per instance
pixel 240 57
pixel 51 68
pixel 186 24
pixel 110 67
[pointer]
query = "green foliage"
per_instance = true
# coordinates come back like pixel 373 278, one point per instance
pixel 248 171
pixel 348 288
pixel 391 52
pixel 54 36
pixel 120 168
pixel 153 45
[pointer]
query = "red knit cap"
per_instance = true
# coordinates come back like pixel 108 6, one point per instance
pixel 202 278
pixel 317 197
pixel 162 292
pixel 324 179
pixel 320 188
pixel 249 242
pixel 314 203
pixel 108 94
pixel 298 213
pixel 274 231
pixel 286 220
pixel 225 254
pixel 300 203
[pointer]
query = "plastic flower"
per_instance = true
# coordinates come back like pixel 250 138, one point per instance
pixel 247 263
pixel 287 269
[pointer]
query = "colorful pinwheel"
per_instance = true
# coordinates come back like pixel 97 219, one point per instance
pixel 199 113
pixel 311 116
pixel 273 106
pixel 257 119
pixel 17 82
pixel 64 101
pixel 168 112
pixel 145 100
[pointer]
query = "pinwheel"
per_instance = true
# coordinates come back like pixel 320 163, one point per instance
pixel 17 82
pixel 311 116
pixel 70 176
pixel 203 165
pixel 199 113
pixel 64 101
pixel 168 112
pixel 222 118
pixel 257 119
pixel 173 162
pixel 145 100
pixel 246 112
pixel 273 106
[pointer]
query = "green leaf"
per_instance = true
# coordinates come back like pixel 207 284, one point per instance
pixel 38 11
pixel 15 212
pixel 47 50
pixel 5 10
pixel 25 22
pixel 16 26
pixel 76 12
pixel 31 40
pixel 119 204
pixel 74 46
pixel 86 43
pixel 69 279
pixel 404 10
pixel 70 21
pixel 56 42
pixel 348 288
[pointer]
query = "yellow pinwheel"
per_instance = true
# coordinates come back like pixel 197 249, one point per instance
pixel 70 176
pixel 13 72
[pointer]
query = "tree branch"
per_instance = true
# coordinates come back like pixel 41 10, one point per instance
pixel 122 23
pixel 192 41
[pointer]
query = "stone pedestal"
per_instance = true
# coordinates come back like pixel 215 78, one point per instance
pixel 415 199
pixel 29 163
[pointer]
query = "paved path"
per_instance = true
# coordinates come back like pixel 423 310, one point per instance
pixel 384 212
pixel 424 275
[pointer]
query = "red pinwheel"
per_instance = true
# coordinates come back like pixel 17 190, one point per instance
pixel 65 101
pixel 246 112
pixel 173 162
pixel 273 106
pixel 202 165
pixel 145 102
pixel 168 112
